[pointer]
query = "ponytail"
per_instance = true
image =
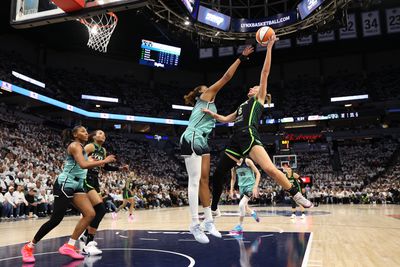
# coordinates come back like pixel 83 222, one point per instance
pixel 190 98
pixel 68 135
pixel 91 136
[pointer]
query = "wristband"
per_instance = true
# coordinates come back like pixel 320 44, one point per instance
pixel 243 58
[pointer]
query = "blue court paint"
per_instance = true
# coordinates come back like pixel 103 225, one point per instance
pixel 271 213
pixel 167 248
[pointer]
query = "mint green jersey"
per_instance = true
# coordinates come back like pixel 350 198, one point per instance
pixel 195 137
pixel 246 178
pixel 72 169
pixel 199 121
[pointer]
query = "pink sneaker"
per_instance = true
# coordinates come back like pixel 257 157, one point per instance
pixel 114 215
pixel 27 254
pixel 70 251
pixel 130 218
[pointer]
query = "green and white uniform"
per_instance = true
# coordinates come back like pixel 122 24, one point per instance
pixel 126 193
pixel 295 182
pixel 195 137
pixel 71 179
pixel 246 179
pixel 246 128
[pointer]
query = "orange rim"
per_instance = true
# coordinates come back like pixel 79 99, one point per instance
pixel 90 25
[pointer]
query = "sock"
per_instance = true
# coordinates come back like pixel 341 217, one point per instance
pixel 193 167
pixel 89 238
pixel 71 242
pixel 252 212
pixel 31 244
pixel 207 214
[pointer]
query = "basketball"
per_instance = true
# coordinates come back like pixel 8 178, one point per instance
pixel 263 34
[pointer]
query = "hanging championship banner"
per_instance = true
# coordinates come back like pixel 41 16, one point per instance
pixel 371 24
pixel 393 20
pixel 305 40
pixel 205 52
pixel 286 43
pixel 326 36
pixel 225 51
pixel 350 31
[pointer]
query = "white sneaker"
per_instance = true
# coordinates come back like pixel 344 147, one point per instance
pixel 302 201
pixel 293 216
pixel 91 249
pixel 198 234
pixel 216 213
pixel 303 216
pixel 209 226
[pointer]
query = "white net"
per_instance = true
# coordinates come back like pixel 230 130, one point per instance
pixel 100 28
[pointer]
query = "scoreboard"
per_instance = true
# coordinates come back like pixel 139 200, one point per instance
pixel 159 55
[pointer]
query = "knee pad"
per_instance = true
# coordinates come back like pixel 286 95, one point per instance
pixel 242 206
pixel 100 210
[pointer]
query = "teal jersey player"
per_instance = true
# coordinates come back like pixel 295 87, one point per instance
pixel 248 177
pixel 194 139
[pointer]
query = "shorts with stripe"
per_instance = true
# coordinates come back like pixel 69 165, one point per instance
pixel 246 191
pixel 194 142
pixel 242 141
pixel 126 194
pixel 92 183
pixel 68 186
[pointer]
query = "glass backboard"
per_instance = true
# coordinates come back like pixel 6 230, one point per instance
pixel 280 160
pixel 32 13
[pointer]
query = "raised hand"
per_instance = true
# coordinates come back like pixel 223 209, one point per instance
pixel 248 50
pixel 271 41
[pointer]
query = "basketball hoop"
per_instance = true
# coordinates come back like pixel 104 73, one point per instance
pixel 100 28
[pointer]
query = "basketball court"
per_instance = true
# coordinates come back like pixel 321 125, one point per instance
pixel 331 235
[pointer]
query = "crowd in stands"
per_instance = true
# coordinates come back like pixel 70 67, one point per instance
pixel 32 156
pixel 137 95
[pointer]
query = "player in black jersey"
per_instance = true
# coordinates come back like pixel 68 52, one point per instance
pixel 95 151
pixel 296 181
pixel 245 140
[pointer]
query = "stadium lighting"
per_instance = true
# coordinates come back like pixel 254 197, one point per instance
pixel 348 98
pixel 180 107
pixel 28 79
pixel 348 105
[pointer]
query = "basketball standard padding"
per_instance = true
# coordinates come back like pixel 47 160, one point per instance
pixel 70 5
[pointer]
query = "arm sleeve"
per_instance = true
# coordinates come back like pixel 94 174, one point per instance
pixel 110 168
